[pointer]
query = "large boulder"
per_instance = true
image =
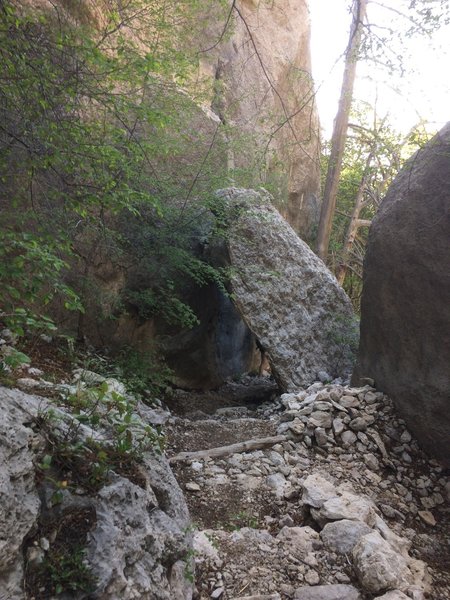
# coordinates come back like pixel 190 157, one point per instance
pixel 405 317
pixel 138 540
pixel 285 294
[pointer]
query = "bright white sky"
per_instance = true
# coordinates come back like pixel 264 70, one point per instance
pixel 422 93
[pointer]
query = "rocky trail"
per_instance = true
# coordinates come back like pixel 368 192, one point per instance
pixel 336 503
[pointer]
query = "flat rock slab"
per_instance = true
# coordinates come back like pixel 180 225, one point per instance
pixel 327 592
pixel 346 506
pixel 285 293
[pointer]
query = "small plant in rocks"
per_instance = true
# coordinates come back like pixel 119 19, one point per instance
pixel 56 557
pixel 115 440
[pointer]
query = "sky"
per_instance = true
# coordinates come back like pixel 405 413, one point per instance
pixel 423 93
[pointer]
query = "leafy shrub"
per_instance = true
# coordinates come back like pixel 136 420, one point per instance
pixel 118 442
pixel 91 111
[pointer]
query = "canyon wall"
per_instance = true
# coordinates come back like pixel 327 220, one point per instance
pixel 242 113
pixel 262 80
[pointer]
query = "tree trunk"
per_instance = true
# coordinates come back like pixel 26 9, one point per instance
pixel 355 223
pixel 340 129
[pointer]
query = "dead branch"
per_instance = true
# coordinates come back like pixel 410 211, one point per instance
pixel 259 597
pixel 247 446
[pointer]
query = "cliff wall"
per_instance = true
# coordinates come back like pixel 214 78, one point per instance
pixel 261 72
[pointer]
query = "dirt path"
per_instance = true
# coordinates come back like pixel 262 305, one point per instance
pixel 260 533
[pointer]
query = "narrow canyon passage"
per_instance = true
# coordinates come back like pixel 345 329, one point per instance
pixel 287 520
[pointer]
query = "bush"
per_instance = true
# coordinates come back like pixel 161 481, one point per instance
pixel 96 129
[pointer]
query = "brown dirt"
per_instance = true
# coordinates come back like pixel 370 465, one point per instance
pixel 187 436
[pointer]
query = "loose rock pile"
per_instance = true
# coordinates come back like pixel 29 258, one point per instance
pixel 345 506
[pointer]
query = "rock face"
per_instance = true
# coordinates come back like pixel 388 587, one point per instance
pixel 405 321
pixel 378 566
pixel 285 294
pixel 263 73
pixel 19 500
pixel 219 347
pixel 137 544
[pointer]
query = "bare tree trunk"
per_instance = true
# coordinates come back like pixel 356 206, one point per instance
pixel 340 129
pixel 355 223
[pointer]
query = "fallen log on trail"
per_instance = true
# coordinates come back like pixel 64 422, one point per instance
pixel 259 597
pixel 247 446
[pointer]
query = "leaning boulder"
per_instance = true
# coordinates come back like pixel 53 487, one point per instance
pixel 405 317
pixel 285 294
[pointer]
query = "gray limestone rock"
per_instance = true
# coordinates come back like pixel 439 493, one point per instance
pixel 393 595
pixel 404 308
pixel 319 418
pixel 342 536
pixel 139 543
pixel 349 401
pixel 358 424
pixel 278 483
pixel 327 592
pixel 317 490
pixel 285 294
pixel 347 506
pixel 298 541
pixel 321 437
pixel 19 501
pixel 338 426
pixel 136 538
pixel 371 461
pixel 348 437
pixel 398 543
pixel 378 566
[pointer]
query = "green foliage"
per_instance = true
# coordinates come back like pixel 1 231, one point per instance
pixel 374 153
pixel 95 129
pixel 120 438
pixel 68 572
pixel 102 407
pixel 167 257
pixel 242 519
pixel 13 359
pixel 10 359
pixel 30 276
pixel 143 373
pixel 189 567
